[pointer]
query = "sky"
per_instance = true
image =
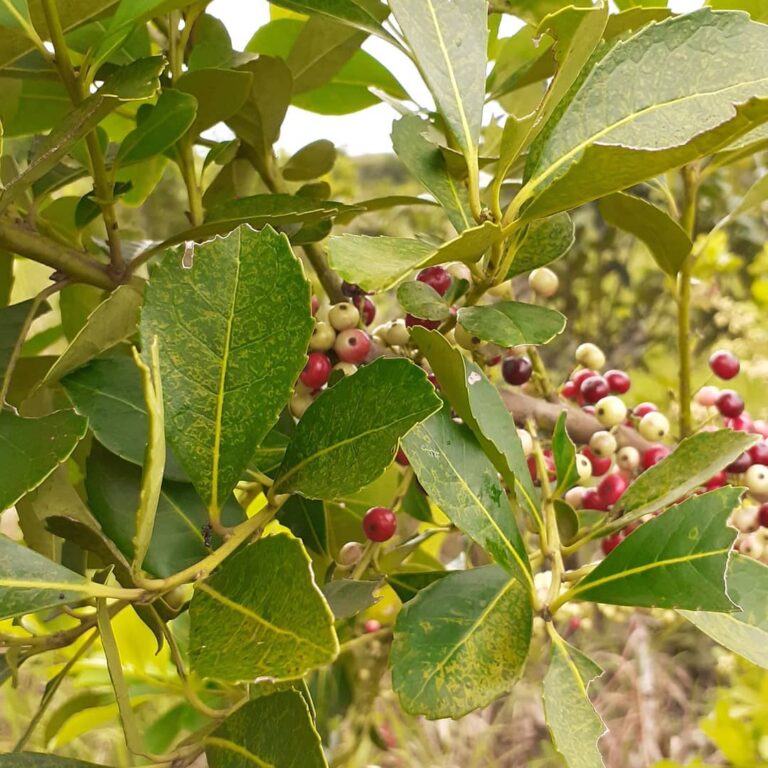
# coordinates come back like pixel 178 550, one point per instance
pixel 360 133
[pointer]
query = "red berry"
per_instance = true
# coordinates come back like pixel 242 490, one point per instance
pixel 725 365
pixel 430 325
pixel 762 515
pixel 532 471
pixel 759 453
pixel 730 403
pixel 716 481
pixel 371 626
pixel 437 277
pixel 609 543
pixel 432 379
pixel 379 524
pixel 401 458
pixel 599 465
pixel 618 381
pixel 653 455
pixel 593 389
pixel 643 408
pixel 741 423
pixel 569 390
pixel 316 371
pixel 630 529
pixel 581 376
pixel 352 345
pixel 611 488
pixel 593 500
pixel 491 361
pixel 366 308
pixel 741 464
pixel 516 370
pixel 574 623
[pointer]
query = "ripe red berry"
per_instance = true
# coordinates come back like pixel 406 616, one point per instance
pixel 430 325
pixel 316 371
pixel 611 488
pixel 437 278
pixel 609 543
pixel 593 389
pixel 599 465
pixel 569 390
pixel 716 481
pixel 581 376
pixel 725 365
pixel 367 309
pixel 762 515
pixel 618 381
pixel 653 455
pixel 759 453
pixel 643 408
pixel 379 524
pixel 401 458
pixel 740 464
pixel 730 403
pixel 516 370
pixel 352 346
pixel 741 423
pixel 593 500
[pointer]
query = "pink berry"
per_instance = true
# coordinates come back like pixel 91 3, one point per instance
pixel 762 515
pixel 730 404
pixel 599 465
pixel 725 365
pixel 316 371
pixel 593 500
pixel 618 381
pixel 759 453
pixel 371 626
pixel 379 524
pixel 611 488
pixel 436 277
pixel 760 427
pixel 590 409
pixel 516 370
pixel 315 305
pixel 741 423
pixel 609 543
pixel 707 396
pixel 740 464
pixel 430 325
pixel 593 389
pixel 653 455
pixel 352 346
pixel 644 408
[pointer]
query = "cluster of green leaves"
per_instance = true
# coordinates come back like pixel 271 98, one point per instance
pixel 135 449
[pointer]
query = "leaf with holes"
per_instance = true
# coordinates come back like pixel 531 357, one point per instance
pixel 233 332
pixel 281 632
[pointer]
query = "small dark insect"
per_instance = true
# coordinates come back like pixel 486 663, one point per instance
pixel 207 532
pixel 61 596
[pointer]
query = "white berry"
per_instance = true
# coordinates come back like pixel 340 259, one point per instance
pixel 323 337
pixel 575 496
pixel 583 467
pixel 590 356
pixel 611 411
pixel 745 519
pixel 526 440
pixel 602 444
pixel 628 458
pixel 756 479
pixel 299 404
pixel 544 282
pixel 653 426
pixel 397 334
pixel 343 316
pixel 346 368
pixel 465 339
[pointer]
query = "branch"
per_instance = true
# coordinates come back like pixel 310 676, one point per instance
pixel 73 263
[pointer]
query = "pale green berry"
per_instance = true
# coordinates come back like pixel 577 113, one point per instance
pixel 590 356
pixel 583 467
pixel 756 479
pixel 653 426
pixel 344 315
pixel 299 404
pixel 544 282
pixel 611 411
pixel 575 496
pixel 323 337
pixel 628 458
pixel 397 334
pixel 603 444
pixel 465 339
pixel 526 441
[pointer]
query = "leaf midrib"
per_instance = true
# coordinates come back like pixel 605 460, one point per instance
pixel 217 741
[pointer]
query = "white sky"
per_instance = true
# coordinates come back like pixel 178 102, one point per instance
pixel 362 132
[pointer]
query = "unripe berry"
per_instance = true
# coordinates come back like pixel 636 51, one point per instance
pixel 599 465
pixel 745 519
pixel 343 316
pixel 371 626
pixel 756 479
pixel 350 553
pixel 740 464
pixel 379 524
pixel 516 370
pixel 412 321
pixel 437 278
pixel 314 305
pixel 618 381
pixel 724 364
pixel 653 455
pixel 459 271
pixel 397 335
pixel 316 371
pixel 590 356
pixel 611 488
pixel 352 345
pixel 544 282
pixel 575 496
pixel 730 404
pixel 346 368
pixel 707 396
pixel 465 339
pixel 526 441
pixel 593 389
pixel 583 467
pixel 653 426
pixel 299 404
pixel 628 458
pixel 322 338
pixel 610 411
pixel 603 444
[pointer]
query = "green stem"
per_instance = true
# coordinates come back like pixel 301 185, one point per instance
pixel 101 183
pixel 542 377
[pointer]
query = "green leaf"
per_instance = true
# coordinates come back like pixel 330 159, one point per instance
pixel 666 103
pixel 461 480
pixel 422 300
pixel 14 14
pixel 30 582
pixel 388 260
pixel 481 408
pixel 113 487
pixel 426 163
pixel 281 632
pixel 407 585
pixel 212 44
pixel 547 240
pixel 6 279
pixel 33 448
pixel 347 597
pixel 337 449
pixel 225 381
pixel 40 760
pixel 108 392
pixel 351 12
pixel 160 129
pixel 310 162
pixel 746 631
pixel 572 720
pixel 676 560
pixel 695 461
pixel 12 321
pixel 113 321
pixel 510 323
pixel 450 41
pixel 666 239
pixel 306 520
pixel 461 643
pixel 256 735
pixel 220 93
pixel 564 454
